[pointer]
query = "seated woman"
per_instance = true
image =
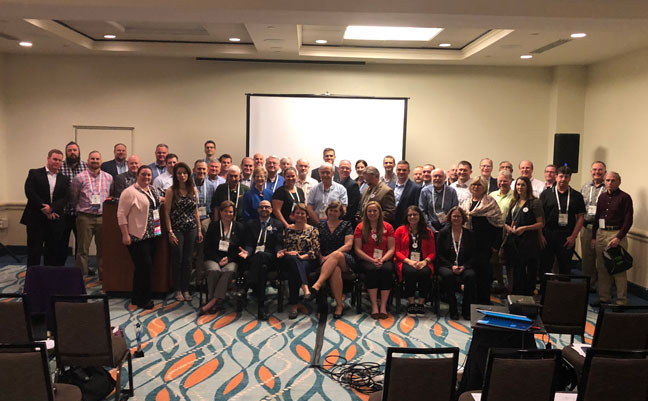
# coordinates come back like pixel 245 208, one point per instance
pixel 224 236
pixel 300 254
pixel 256 194
pixel 485 221
pixel 454 251
pixel 336 241
pixel 286 196
pixel 414 256
pixel 374 247
pixel 522 247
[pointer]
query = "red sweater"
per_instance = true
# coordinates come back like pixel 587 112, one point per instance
pixel 403 248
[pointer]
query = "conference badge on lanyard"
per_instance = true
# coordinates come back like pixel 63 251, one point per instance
pixel 157 228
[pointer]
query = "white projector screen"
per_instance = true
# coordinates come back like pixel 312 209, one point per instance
pixel 301 126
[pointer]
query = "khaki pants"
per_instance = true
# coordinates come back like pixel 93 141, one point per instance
pixel 588 255
pixel 88 226
pixel 199 252
pixel 604 279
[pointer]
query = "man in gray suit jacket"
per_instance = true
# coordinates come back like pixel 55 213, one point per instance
pixel 380 192
pixel 125 180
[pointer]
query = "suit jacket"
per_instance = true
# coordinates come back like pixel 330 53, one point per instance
pixel 353 197
pixel 274 237
pixel 110 167
pixel 220 195
pixel 120 183
pixel 315 174
pixel 383 195
pixel 37 192
pixel 212 240
pixel 492 185
pixel 409 197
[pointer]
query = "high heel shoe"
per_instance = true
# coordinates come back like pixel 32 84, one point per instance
pixel 338 315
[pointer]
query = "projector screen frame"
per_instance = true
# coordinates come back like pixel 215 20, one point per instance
pixel 249 95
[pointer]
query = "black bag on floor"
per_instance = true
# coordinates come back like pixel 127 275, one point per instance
pixel 617 260
pixel 95 383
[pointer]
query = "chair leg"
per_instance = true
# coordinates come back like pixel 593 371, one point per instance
pixel 130 391
pixel 280 296
pixel 358 297
pixel 118 383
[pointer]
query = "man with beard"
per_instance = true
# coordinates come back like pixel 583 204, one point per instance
pixel 72 166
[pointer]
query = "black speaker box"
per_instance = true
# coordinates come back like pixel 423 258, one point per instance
pixel 566 148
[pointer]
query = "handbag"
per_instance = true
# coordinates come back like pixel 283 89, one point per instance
pixel 95 383
pixel 617 260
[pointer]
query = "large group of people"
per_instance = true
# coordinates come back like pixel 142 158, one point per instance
pixel 267 215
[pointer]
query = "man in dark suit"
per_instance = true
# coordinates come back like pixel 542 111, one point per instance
pixel 329 157
pixel 380 192
pixel 47 194
pixel 353 191
pixel 406 192
pixel 263 241
pixel 117 165
pixel 125 180
pixel 233 191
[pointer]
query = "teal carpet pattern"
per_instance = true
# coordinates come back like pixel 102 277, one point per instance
pixel 233 356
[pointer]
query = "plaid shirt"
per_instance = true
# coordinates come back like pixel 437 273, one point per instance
pixel 85 185
pixel 70 173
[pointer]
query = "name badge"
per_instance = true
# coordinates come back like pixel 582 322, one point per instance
pixel 415 256
pixel 95 200
pixel 157 227
pixel 591 210
pixel 260 248
pixel 601 223
pixel 156 214
pixel 442 217
pixel 223 245
pixel 378 253
pixel 202 211
pixel 562 219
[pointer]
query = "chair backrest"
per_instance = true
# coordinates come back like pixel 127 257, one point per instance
pixel 24 373
pixel 520 375
pixel 16 326
pixel 564 303
pixel 82 330
pixel 622 327
pixel 432 378
pixel 611 375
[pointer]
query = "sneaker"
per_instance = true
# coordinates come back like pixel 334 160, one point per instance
pixel 420 310
pixel 412 310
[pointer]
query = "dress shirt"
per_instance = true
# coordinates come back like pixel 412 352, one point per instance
pixel 162 182
pixel 157 170
pixel 71 172
pixel 591 193
pixel 273 185
pixel 463 193
pixel 503 201
pixel 121 167
pixel 247 181
pixel 617 210
pixel 398 191
pixel 306 185
pixel 51 179
pixel 217 181
pixel 319 197
pixel 206 191
pixel 87 184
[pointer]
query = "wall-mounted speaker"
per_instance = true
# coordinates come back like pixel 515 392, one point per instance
pixel 566 148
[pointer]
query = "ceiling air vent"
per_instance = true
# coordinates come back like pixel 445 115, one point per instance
pixel 550 46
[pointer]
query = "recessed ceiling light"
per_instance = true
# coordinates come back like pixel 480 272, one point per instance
pixel 109 36
pixel 390 33
pixel 526 56
pixel 445 45
pixel 578 35
pixel 321 41
pixel 234 39
pixel 25 44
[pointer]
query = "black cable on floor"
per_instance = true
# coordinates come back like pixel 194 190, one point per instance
pixel 359 376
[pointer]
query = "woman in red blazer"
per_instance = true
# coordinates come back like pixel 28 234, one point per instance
pixel 414 255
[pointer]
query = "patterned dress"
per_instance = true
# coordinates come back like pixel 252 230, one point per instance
pixel 183 213
pixel 304 241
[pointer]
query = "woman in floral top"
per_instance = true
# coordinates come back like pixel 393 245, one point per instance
pixel 300 254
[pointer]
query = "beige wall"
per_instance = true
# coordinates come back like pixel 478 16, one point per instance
pixel 3 148
pixel 616 124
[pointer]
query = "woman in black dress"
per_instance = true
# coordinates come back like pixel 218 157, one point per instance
pixel 336 241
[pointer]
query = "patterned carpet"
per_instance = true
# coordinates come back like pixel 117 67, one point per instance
pixel 233 356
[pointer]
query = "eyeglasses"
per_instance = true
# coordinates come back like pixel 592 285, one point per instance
pixel 413 215
pixel 264 207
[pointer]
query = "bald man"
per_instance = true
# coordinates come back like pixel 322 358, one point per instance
pixel 125 180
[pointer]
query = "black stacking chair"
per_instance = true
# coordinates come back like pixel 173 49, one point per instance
pixel 15 319
pixel 612 375
pixel 564 304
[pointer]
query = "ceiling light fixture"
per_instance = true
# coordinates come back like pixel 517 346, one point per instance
pixel 445 45
pixel 321 41
pixel 578 35
pixel 234 39
pixel 25 44
pixel 356 32
pixel 526 56
pixel 110 36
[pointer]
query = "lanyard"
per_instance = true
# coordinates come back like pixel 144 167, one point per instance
pixel 415 239
pixel 598 192
pixel 275 183
pixel 149 195
pixel 326 192
pixel 204 188
pixel 434 199
pixel 229 193
pixel 558 200
pixel 229 232
pixel 96 182
pixel 457 245
pixel 264 232
pixel 296 198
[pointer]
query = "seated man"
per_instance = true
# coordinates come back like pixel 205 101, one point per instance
pixel 263 242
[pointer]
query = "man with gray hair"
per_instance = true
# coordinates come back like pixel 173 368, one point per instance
pixel 304 181
pixel 284 163
pixel 247 168
pixel 353 191
pixel 232 190
pixel 613 219
pixel 380 192
pixel 436 200
pixel 274 179
pixel 324 193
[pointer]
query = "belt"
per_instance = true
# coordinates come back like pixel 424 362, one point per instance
pixel 611 228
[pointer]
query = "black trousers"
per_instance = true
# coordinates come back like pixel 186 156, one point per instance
pixel 483 275
pixel 297 271
pixel 381 278
pixel 259 265
pixel 70 227
pixel 555 241
pixel 524 276
pixel 450 281
pixel 142 253
pixel 414 279
pixel 45 239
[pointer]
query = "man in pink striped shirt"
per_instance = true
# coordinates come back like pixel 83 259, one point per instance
pixel 90 188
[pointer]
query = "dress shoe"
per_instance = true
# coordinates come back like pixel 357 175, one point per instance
pixel 149 305
pixel 293 314
pixel 262 314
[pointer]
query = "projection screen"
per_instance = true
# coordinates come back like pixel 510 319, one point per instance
pixel 301 126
